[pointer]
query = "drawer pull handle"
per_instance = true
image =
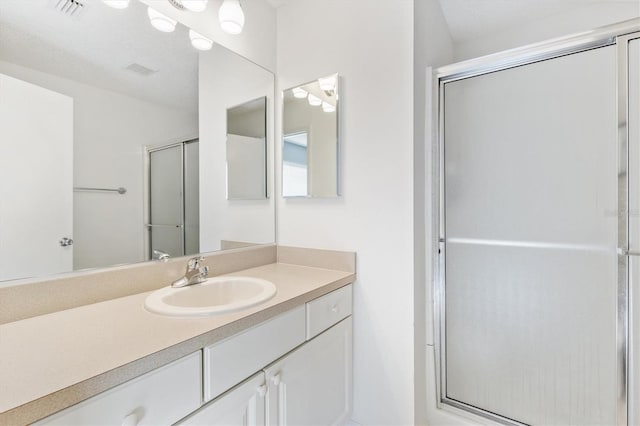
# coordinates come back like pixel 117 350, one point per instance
pixel 276 379
pixel 130 420
pixel 335 308
pixel 262 390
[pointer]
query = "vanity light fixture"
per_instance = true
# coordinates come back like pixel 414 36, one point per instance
pixel 160 21
pixel 199 41
pixel 314 100
pixel 327 107
pixel 117 4
pixel 231 17
pixel 328 84
pixel 299 92
pixel 195 5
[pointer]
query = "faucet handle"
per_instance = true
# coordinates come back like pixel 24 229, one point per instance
pixel 194 263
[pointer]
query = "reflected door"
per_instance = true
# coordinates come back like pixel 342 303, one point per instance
pixel 36 180
pixel 530 237
pixel 174 225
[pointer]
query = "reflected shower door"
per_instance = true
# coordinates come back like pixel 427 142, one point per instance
pixel 166 209
pixel 530 236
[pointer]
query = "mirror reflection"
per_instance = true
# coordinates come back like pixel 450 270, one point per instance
pixel 86 101
pixel 247 151
pixel 310 146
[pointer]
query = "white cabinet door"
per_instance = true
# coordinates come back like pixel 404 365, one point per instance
pixel 36 179
pixel 312 385
pixel 241 406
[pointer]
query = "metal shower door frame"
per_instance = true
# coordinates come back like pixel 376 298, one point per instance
pixel 618 34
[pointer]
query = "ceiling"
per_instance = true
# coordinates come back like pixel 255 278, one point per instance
pixel 469 19
pixel 96 46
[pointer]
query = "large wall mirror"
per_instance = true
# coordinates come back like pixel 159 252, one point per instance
pixel 113 139
pixel 310 145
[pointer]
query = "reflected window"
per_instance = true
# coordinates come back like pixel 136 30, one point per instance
pixel 295 165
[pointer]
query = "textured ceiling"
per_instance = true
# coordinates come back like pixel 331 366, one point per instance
pixel 95 46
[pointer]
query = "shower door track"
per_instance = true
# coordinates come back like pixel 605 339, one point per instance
pixel 618 34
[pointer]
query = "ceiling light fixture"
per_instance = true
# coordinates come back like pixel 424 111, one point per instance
pixel 117 4
pixel 328 84
pixel 299 92
pixel 194 5
pixel 314 100
pixel 199 41
pixel 327 107
pixel 161 22
pixel 231 17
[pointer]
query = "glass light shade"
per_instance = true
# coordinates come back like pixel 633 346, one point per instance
pixel 299 92
pixel 327 84
pixel 199 41
pixel 231 17
pixel 161 22
pixel 314 100
pixel 327 107
pixel 195 5
pixel 117 4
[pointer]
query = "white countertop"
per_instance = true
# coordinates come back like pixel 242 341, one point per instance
pixel 53 361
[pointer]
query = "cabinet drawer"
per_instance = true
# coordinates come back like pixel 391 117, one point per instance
pixel 327 310
pixel 232 360
pixel 160 397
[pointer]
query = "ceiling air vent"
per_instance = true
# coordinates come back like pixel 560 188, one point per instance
pixel 69 7
pixel 140 69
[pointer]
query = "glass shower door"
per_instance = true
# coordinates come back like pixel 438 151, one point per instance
pixel 530 234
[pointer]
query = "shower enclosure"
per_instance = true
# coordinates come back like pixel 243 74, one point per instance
pixel 538 188
pixel 173 200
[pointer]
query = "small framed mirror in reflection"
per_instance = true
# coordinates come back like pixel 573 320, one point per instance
pixel 247 151
pixel 310 141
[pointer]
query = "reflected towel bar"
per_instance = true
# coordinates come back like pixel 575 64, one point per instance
pixel 120 190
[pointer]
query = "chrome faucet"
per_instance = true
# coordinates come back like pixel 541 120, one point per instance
pixel 195 273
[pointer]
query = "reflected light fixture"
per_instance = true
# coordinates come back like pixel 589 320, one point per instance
pixel 199 41
pixel 231 17
pixel 194 5
pixel 299 92
pixel 314 100
pixel 328 84
pixel 117 4
pixel 327 107
pixel 161 22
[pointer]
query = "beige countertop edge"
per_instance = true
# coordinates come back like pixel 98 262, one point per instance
pixel 64 398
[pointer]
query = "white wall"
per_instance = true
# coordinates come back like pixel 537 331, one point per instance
pixel 433 48
pixel 228 80
pixel 577 20
pixel 257 42
pixel 110 130
pixel 370 44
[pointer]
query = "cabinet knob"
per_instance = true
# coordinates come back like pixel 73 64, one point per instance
pixel 262 390
pixel 335 308
pixel 276 379
pixel 131 420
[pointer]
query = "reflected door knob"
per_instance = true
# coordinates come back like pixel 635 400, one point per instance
pixel 66 242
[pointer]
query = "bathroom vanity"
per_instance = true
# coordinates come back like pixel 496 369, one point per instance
pixel 285 361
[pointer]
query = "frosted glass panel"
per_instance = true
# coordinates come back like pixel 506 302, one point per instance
pixel 531 232
pixel 191 198
pixel 166 186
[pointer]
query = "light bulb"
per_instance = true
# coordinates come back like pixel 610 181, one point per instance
pixel 195 5
pixel 161 22
pixel 199 41
pixel 327 107
pixel 328 84
pixel 299 92
pixel 314 100
pixel 117 4
pixel 231 17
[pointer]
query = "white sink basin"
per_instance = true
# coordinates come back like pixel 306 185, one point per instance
pixel 214 296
